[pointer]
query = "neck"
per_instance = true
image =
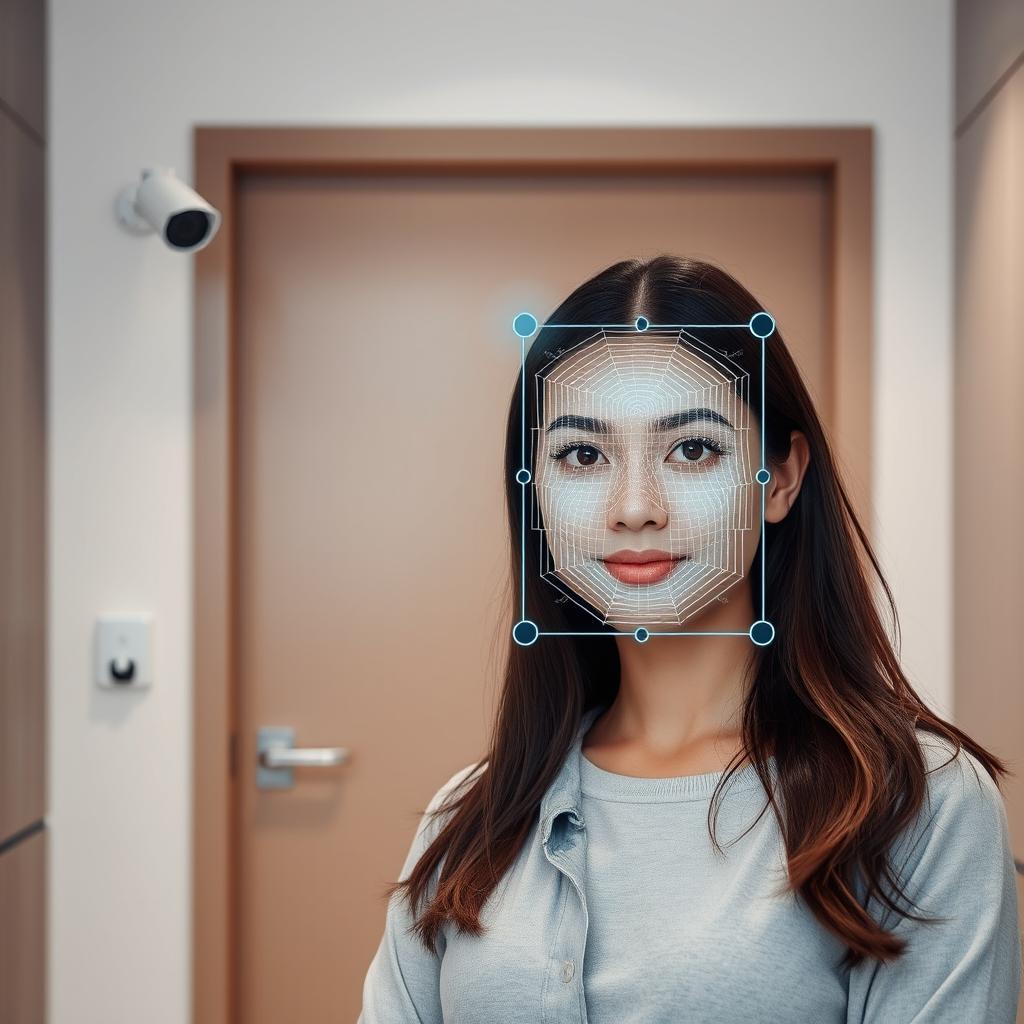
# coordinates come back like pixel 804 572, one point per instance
pixel 676 691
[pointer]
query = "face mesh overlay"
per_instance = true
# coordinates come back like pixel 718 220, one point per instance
pixel 643 441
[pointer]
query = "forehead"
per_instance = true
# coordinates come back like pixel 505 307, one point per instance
pixel 635 376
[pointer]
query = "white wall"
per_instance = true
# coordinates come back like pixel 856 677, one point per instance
pixel 129 80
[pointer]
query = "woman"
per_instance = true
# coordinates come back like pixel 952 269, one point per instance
pixel 725 824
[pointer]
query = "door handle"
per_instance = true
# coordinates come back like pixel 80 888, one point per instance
pixel 277 756
pixel 303 757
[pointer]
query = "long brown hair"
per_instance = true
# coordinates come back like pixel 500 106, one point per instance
pixel 827 696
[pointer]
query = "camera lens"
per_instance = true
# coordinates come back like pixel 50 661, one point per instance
pixel 187 229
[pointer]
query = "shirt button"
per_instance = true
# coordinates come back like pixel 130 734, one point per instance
pixel 568 970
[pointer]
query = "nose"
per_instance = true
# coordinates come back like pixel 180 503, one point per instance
pixel 638 500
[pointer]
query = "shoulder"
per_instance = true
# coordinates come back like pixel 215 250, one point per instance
pixel 437 813
pixel 956 904
pixel 958 783
pixel 440 808
pixel 957 842
pixel 963 816
pixel 453 788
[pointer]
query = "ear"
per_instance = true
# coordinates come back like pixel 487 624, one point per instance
pixel 787 477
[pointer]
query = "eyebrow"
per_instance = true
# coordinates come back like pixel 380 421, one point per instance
pixel 663 424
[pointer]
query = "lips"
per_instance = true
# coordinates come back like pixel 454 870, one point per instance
pixel 640 567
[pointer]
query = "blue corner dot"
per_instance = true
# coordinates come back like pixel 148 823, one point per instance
pixel 524 324
pixel 761 325
pixel 523 476
pixel 642 323
pixel 525 632
pixel 642 635
pixel 762 476
pixel 762 633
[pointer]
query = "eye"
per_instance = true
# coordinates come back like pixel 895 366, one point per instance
pixel 585 455
pixel 694 448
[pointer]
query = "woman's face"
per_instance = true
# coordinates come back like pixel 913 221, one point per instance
pixel 646 447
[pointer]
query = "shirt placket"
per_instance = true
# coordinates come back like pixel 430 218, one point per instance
pixel 564 997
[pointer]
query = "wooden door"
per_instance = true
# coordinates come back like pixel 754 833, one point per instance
pixel 373 362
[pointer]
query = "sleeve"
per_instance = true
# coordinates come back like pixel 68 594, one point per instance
pixel 402 985
pixel 959 867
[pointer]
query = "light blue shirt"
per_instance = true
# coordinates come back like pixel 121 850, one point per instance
pixel 618 909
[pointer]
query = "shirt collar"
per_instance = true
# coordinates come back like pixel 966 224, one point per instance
pixel 563 795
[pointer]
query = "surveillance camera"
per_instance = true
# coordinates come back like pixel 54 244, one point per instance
pixel 163 203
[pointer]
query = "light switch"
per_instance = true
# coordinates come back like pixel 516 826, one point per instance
pixel 124 651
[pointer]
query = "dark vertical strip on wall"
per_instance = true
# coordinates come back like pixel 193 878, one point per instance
pixel 23 511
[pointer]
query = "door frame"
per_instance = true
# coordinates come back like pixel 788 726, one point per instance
pixel 222 155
